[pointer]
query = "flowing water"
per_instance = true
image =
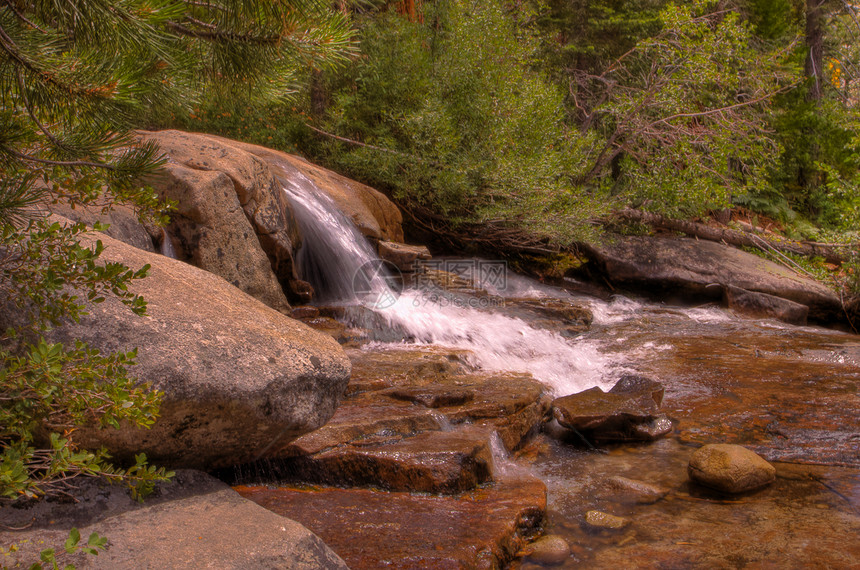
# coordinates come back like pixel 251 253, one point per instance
pixel 790 393
pixel 344 269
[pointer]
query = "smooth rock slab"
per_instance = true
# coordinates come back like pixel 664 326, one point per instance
pixel 698 269
pixel 763 305
pixel 193 522
pixel 730 468
pixel 483 528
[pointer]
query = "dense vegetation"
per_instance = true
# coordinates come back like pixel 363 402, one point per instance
pixel 544 116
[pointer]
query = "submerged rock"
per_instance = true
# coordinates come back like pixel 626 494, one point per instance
pixel 194 521
pixel 730 468
pixel 549 550
pixel 639 491
pixel 369 529
pixel 601 520
pixel 240 380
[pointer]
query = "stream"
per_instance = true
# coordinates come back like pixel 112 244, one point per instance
pixel 788 393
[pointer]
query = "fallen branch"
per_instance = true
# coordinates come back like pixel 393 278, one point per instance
pixel 733 237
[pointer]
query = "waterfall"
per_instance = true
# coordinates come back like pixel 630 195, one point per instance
pixel 343 268
pixel 335 258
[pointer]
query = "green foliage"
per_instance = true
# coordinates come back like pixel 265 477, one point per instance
pixel 49 559
pixel 477 134
pixel 685 113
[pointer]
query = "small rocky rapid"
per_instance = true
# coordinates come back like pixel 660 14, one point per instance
pixel 445 454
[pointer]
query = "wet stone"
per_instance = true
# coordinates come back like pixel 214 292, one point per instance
pixel 549 550
pixel 430 462
pixel 370 529
pixel 432 396
pixel 638 491
pixel 628 412
pixel 730 468
pixel 601 520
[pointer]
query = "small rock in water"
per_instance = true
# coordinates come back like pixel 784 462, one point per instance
pixel 550 550
pixel 649 431
pixel 643 493
pixel 599 519
pixel 633 385
pixel 730 468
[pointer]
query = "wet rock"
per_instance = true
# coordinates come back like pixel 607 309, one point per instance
pixel 730 468
pixel 239 378
pixel 636 386
pixel 433 396
pixel 403 256
pixel 565 311
pixel 645 431
pixel 483 528
pixel 305 312
pixel 549 550
pixel 629 411
pixel 192 522
pixel 763 305
pixel 326 325
pixel 432 462
pixel 601 520
pixel 697 270
pixel 639 491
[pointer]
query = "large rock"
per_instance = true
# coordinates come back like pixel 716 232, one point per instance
pixel 240 379
pixel 764 305
pixel 232 217
pixel 194 522
pixel 696 269
pixel 375 215
pixel 730 468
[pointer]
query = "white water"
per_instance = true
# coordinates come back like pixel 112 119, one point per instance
pixel 335 256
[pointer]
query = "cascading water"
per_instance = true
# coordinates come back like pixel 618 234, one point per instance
pixel 339 262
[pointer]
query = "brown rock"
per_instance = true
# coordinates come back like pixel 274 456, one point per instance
pixel 730 468
pixel 191 523
pixel 595 409
pixel 641 492
pixel 375 215
pixel 431 462
pixel 601 520
pixel 124 223
pixel 401 255
pixel 482 528
pixel 549 550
